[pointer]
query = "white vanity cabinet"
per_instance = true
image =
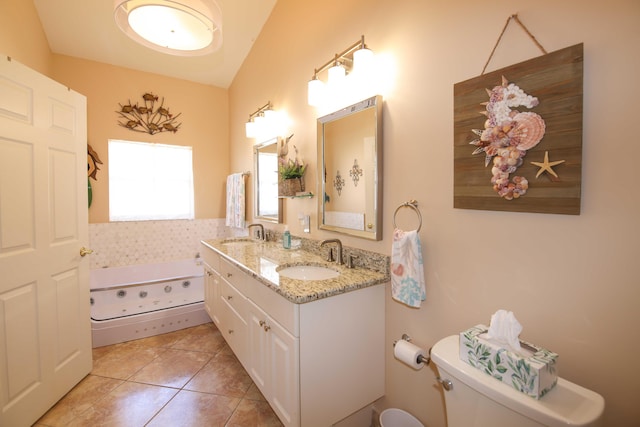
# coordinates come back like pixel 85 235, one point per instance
pixel 316 363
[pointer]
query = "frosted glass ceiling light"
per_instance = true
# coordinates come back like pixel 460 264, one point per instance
pixel 176 27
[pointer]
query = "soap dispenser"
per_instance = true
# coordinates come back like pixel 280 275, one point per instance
pixel 286 238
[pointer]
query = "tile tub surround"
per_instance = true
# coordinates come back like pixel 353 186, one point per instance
pixel 116 244
pixel 261 260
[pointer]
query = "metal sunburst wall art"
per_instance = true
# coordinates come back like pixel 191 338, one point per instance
pixel 338 182
pixel 355 172
pixel 146 117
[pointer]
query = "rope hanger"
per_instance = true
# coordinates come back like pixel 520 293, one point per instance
pixel 515 18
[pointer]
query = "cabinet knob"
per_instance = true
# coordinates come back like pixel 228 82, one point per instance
pixel 230 297
pixel 262 323
pixel 266 328
pixel 229 274
pixel 230 331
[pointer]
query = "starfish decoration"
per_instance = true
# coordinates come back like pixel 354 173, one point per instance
pixel 546 165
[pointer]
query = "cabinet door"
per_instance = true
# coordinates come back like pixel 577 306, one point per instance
pixel 208 291
pixel 284 360
pixel 212 295
pixel 258 363
pixel 274 364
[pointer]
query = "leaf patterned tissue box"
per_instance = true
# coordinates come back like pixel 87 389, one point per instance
pixel 534 372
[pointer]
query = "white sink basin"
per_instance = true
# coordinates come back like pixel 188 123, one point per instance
pixel 308 272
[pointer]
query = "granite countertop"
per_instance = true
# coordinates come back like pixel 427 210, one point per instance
pixel 262 259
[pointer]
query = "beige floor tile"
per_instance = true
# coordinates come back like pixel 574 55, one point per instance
pixel 173 368
pixel 193 409
pixel 124 360
pixel 129 405
pixel 98 352
pixel 88 392
pixel 205 338
pixel 222 375
pixel 164 340
pixel 254 393
pixel 253 413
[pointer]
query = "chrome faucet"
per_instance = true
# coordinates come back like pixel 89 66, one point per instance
pixel 338 251
pixel 261 234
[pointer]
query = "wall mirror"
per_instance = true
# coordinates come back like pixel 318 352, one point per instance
pixel 267 205
pixel 350 178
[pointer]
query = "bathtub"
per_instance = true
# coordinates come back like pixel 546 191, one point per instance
pixel 140 301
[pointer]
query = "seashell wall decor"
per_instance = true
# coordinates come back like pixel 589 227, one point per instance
pixel 531 109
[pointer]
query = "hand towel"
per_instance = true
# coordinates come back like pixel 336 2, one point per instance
pixel 235 201
pixel 407 268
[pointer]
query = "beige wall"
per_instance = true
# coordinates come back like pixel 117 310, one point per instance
pixel 570 280
pixel 204 125
pixel 22 36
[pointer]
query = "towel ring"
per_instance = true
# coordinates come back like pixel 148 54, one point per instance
pixel 413 204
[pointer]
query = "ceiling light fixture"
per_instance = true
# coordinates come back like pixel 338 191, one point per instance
pixel 175 27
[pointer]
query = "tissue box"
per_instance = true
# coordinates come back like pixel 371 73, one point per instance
pixel 533 375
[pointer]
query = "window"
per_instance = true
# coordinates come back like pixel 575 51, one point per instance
pixel 149 181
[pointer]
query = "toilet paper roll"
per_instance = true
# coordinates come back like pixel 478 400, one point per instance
pixel 408 353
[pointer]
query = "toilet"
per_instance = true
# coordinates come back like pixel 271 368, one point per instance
pixel 473 398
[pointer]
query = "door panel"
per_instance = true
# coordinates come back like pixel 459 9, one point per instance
pixel 45 330
pixel 19 315
pixel 16 196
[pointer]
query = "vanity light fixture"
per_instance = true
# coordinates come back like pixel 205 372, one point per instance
pixel 356 61
pixel 266 123
pixel 256 120
pixel 175 27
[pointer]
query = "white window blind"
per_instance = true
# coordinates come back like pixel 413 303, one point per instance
pixel 150 181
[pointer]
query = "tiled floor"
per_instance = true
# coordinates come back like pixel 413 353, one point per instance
pixel 185 378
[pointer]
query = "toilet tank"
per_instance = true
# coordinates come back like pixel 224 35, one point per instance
pixel 479 400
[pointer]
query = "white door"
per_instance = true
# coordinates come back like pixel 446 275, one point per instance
pixel 45 331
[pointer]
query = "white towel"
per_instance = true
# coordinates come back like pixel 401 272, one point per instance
pixel 407 269
pixel 235 201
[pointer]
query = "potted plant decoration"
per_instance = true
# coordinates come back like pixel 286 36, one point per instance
pixel 291 171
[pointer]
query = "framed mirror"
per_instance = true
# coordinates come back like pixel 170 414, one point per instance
pixel 350 170
pixel 267 205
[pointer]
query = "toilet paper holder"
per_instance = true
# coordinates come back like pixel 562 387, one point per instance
pixel 422 359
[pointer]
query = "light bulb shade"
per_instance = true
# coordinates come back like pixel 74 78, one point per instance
pixel 176 27
pixel 315 92
pixel 337 73
pixel 250 129
pixel 362 60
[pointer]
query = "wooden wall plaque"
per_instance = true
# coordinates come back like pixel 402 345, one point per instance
pixel 556 80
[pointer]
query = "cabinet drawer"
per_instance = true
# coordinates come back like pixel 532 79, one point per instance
pixel 234 330
pixel 233 275
pixel 234 299
pixel 210 257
